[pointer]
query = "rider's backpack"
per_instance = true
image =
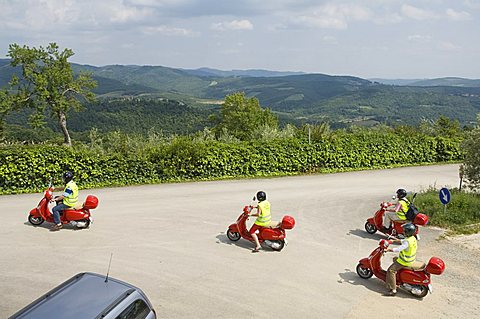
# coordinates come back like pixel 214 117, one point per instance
pixel 412 211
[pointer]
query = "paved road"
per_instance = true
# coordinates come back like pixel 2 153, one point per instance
pixel 170 241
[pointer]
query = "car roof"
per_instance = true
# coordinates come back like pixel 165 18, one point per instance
pixel 85 295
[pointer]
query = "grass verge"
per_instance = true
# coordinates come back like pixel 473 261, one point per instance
pixel 460 216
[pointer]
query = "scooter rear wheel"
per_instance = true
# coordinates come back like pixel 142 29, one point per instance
pixel 87 223
pixel 363 272
pixel 370 228
pixel 232 235
pixel 280 246
pixel 422 291
pixel 35 220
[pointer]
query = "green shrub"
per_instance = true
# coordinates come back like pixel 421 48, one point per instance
pixel 126 160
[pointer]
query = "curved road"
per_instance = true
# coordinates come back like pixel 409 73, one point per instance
pixel 170 241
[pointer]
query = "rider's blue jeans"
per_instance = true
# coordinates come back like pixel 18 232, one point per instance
pixel 56 212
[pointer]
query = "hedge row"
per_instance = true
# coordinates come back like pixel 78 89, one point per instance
pixel 28 169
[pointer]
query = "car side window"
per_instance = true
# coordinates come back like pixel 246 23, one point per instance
pixel 136 310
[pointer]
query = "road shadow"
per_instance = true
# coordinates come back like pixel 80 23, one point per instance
pixel 242 243
pixel 374 284
pixel 47 226
pixel 363 234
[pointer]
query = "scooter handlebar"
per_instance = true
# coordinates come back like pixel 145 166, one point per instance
pixel 384 243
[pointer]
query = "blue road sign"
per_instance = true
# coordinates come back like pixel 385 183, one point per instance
pixel 444 195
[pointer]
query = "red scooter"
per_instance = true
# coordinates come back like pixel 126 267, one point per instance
pixel 415 279
pixel 275 238
pixel 376 222
pixel 77 216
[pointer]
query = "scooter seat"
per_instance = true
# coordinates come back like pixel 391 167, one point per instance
pixel 416 266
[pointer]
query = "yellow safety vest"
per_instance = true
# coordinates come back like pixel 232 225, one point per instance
pixel 403 211
pixel 72 199
pixel 407 256
pixel 265 217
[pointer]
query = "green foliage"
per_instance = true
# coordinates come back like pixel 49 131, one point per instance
pixel 48 83
pixel 118 159
pixel 462 214
pixel 471 166
pixel 5 108
pixel 315 132
pixel 243 117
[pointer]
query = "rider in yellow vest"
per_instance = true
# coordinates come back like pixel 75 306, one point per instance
pixel 69 198
pixel 406 257
pixel 264 218
pixel 400 210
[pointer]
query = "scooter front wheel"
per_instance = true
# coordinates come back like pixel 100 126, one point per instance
pixel 363 272
pixel 370 228
pixel 233 235
pixel 35 220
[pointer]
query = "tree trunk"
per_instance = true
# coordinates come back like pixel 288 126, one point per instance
pixel 63 125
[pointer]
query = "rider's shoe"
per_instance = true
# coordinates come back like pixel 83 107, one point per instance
pixel 385 229
pixel 56 227
pixel 391 293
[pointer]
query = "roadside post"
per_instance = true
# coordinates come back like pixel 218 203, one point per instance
pixel 445 197
pixel 461 171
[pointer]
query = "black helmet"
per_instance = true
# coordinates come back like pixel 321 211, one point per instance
pixel 67 176
pixel 409 229
pixel 401 193
pixel 261 196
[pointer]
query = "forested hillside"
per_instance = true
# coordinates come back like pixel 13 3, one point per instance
pixel 302 98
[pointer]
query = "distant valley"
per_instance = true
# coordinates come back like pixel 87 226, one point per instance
pixel 294 96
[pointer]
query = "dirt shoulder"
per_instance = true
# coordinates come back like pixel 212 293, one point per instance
pixel 455 293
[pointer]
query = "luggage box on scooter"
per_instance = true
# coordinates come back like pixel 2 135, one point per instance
pixel 435 266
pixel 91 202
pixel 288 222
pixel 421 220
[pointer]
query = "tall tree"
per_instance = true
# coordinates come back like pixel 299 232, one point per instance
pixel 48 84
pixel 471 164
pixel 5 107
pixel 242 116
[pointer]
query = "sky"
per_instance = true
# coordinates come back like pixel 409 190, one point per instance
pixel 366 38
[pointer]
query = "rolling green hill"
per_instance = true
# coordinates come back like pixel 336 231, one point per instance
pixel 298 98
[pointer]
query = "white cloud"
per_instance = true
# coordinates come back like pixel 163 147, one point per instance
pixel 333 16
pixel 457 15
pixel 324 22
pixel 449 46
pixel 169 31
pixel 419 38
pixel 417 13
pixel 390 18
pixel 474 4
pixel 122 14
pixel 233 25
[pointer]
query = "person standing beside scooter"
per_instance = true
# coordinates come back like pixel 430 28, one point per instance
pixel 399 212
pixel 264 218
pixel 406 257
pixel 69 199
